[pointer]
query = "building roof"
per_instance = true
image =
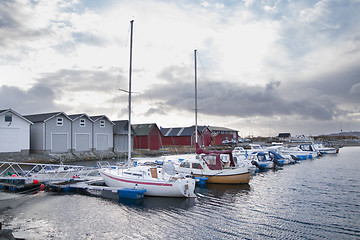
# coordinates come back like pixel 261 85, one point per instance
pixel 80 115
pixel 97 118
pixel 284 135
pixel 202 128
pixel 143 129
pixel 176 132
pixel 121 127
pixel 219 129
pixel 43 117
pixel 17 114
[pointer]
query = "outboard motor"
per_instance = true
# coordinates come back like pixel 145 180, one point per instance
pixel 275 158
pixel 277 163
pixel 260 167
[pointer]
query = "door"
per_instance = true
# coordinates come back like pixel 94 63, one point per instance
pixel 10 140
pixel 102 142
pixel 82 142
pixel 59 142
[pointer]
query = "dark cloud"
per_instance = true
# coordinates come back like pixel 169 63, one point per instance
pixel 42 95
pixel 75 80
pixel 7 18
pixel 35 100
pixel 339 85
pixel 240 100
pixel 14 30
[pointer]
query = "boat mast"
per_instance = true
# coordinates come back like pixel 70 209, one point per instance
pixel 130 70
pixel 196 108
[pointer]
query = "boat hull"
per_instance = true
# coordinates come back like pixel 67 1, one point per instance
pixel 153 187
pixel 227 179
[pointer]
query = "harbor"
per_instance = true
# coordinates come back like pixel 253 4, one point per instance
pixel 315 198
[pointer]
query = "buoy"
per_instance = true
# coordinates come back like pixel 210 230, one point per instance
pixel 42 187
pixel 35 181
pixel 14 175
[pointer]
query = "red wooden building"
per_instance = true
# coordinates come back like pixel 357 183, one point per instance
pixel 206 135
pixel 220 134
pixel 182 136
pixel 148 136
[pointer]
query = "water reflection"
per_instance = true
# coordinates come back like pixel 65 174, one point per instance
pixel 218 190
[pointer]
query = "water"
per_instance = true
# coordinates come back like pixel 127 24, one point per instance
pixel 316 199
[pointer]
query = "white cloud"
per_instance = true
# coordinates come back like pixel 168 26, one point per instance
pixel 315 13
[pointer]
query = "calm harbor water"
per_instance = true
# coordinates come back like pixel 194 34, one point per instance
pixel 315 199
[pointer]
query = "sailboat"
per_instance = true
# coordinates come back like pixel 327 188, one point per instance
pixel 216 166
pixel 157 181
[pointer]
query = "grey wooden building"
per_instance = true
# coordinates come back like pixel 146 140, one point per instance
pixel 50 132
pixel 14 132
pixel 102 133
pixel 81 133
pixel 121 136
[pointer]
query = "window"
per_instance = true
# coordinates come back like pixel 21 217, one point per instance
pixel 59 121
pixel 197 166
pixel 185 164
pixel 8 118
pixel 102 123
pixel 82 122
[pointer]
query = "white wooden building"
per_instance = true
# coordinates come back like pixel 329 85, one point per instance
pixel 14 132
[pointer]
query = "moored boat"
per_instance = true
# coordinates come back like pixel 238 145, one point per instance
pixel 157 181
pixel 216 166
pixel 325 150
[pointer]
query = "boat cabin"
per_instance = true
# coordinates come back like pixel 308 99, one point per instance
pixel 213 161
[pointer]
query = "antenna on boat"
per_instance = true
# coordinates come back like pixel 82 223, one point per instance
pixel 196 108
pixel 130 70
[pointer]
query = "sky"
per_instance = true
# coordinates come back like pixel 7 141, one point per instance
pixel 264 66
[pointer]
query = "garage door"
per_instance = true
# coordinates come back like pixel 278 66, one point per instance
pixel 59 142
pixel 82 142
pixel 10 140
pixel 102 142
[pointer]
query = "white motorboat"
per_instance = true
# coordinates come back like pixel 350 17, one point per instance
pixel 216 166
pixel 325 150
pixel 157 181
pixel 298 153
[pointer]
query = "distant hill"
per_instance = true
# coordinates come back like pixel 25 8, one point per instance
pixel 356 134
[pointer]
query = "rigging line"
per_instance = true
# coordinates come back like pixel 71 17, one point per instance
pixel 209 85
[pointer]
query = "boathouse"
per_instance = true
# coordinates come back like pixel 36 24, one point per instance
pixel 206 135
pixel 50 132
pixel 148 136
pixel 182 136
pixel 284 136
pixel 220 134
pixel 103 135
pixel 14 133
pixel 81 133
pixel 121 136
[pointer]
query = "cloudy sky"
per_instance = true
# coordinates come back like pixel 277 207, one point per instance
pixel 264 66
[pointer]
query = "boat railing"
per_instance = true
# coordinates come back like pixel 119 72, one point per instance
pixel 45 172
